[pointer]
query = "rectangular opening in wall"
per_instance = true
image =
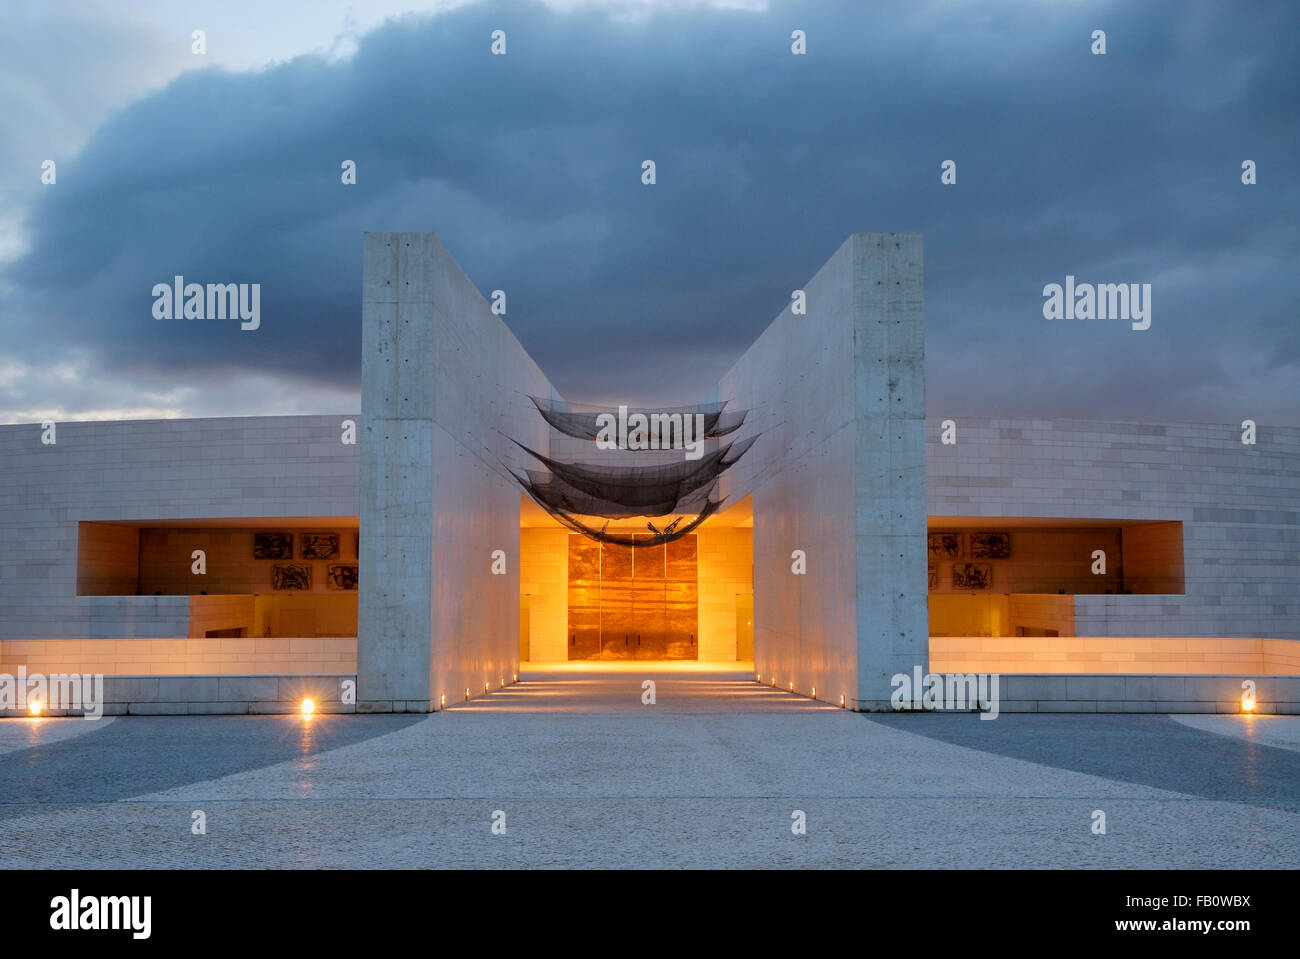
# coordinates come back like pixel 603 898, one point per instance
pixel 246 577
pixel 1019 576
pixel 1009 555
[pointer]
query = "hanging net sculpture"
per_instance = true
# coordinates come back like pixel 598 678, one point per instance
pixel 583 422
pixel 683 488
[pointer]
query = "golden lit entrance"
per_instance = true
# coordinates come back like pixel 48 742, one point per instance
pixel 633 603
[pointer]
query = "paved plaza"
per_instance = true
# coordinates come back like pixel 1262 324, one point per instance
pixel 587 775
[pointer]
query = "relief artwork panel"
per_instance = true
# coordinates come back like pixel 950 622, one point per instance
pixel 972 576
pixel 342 576
pixel 318 545
pixel 291 576
pixel 995 545
pixel 944 545
pixel 272 546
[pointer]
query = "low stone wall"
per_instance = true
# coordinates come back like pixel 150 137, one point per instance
pixel 1017 693
pixel 1083 693
pixel 183 656
pixel 214 695
pixel 1120 655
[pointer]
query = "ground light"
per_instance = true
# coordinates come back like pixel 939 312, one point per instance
pixel 1247 703
pixel 308 707
pixel 442 700
pixel 34 707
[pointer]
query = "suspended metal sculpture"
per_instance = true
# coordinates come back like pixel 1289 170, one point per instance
pixel 585 424
pixel 682 488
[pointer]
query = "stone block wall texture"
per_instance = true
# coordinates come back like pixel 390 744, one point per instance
pixel 838 471
pixel 545 572
pixel 120 472
pixel 180 656
pixel 445 388
pixel 726 570
pixel 1112 654
pixel 1239 507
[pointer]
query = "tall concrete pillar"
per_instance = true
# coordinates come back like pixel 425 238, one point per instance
pixel 837 394
pixel 444 383
pixel 889 463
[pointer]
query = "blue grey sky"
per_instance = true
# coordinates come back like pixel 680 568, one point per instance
pixel 225 167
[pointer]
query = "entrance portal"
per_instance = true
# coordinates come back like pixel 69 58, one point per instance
pixel 633 602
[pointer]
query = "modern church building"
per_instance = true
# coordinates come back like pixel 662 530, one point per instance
pixel 805 517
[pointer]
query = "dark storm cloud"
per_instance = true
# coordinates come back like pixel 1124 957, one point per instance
pixel 1116 168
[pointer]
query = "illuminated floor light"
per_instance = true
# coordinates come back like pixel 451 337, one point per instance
pixel 814 696
pixel 791 685
pixel 841 700
pixel 1247 704
pixel 34 707
pixel 308 706
pixel 467 692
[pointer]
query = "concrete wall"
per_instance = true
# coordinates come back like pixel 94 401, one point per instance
pixel 1153 558
pixel 1142 693
pixel 212 694
pixel 180 656
pixel 838 472
pixel 302 615
pixel 726 570
pixel 98 472
pixel 1040 612
pixel 444 387
pixel 1046 560
pixel 964 614
pixel 1113 654
pixel 165 560
pixel 1130 693
pixel 108 560
pixel 1239 507
pixel 545 571
pixel 225 612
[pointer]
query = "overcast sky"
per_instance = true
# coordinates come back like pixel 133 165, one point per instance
pixel 225 167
